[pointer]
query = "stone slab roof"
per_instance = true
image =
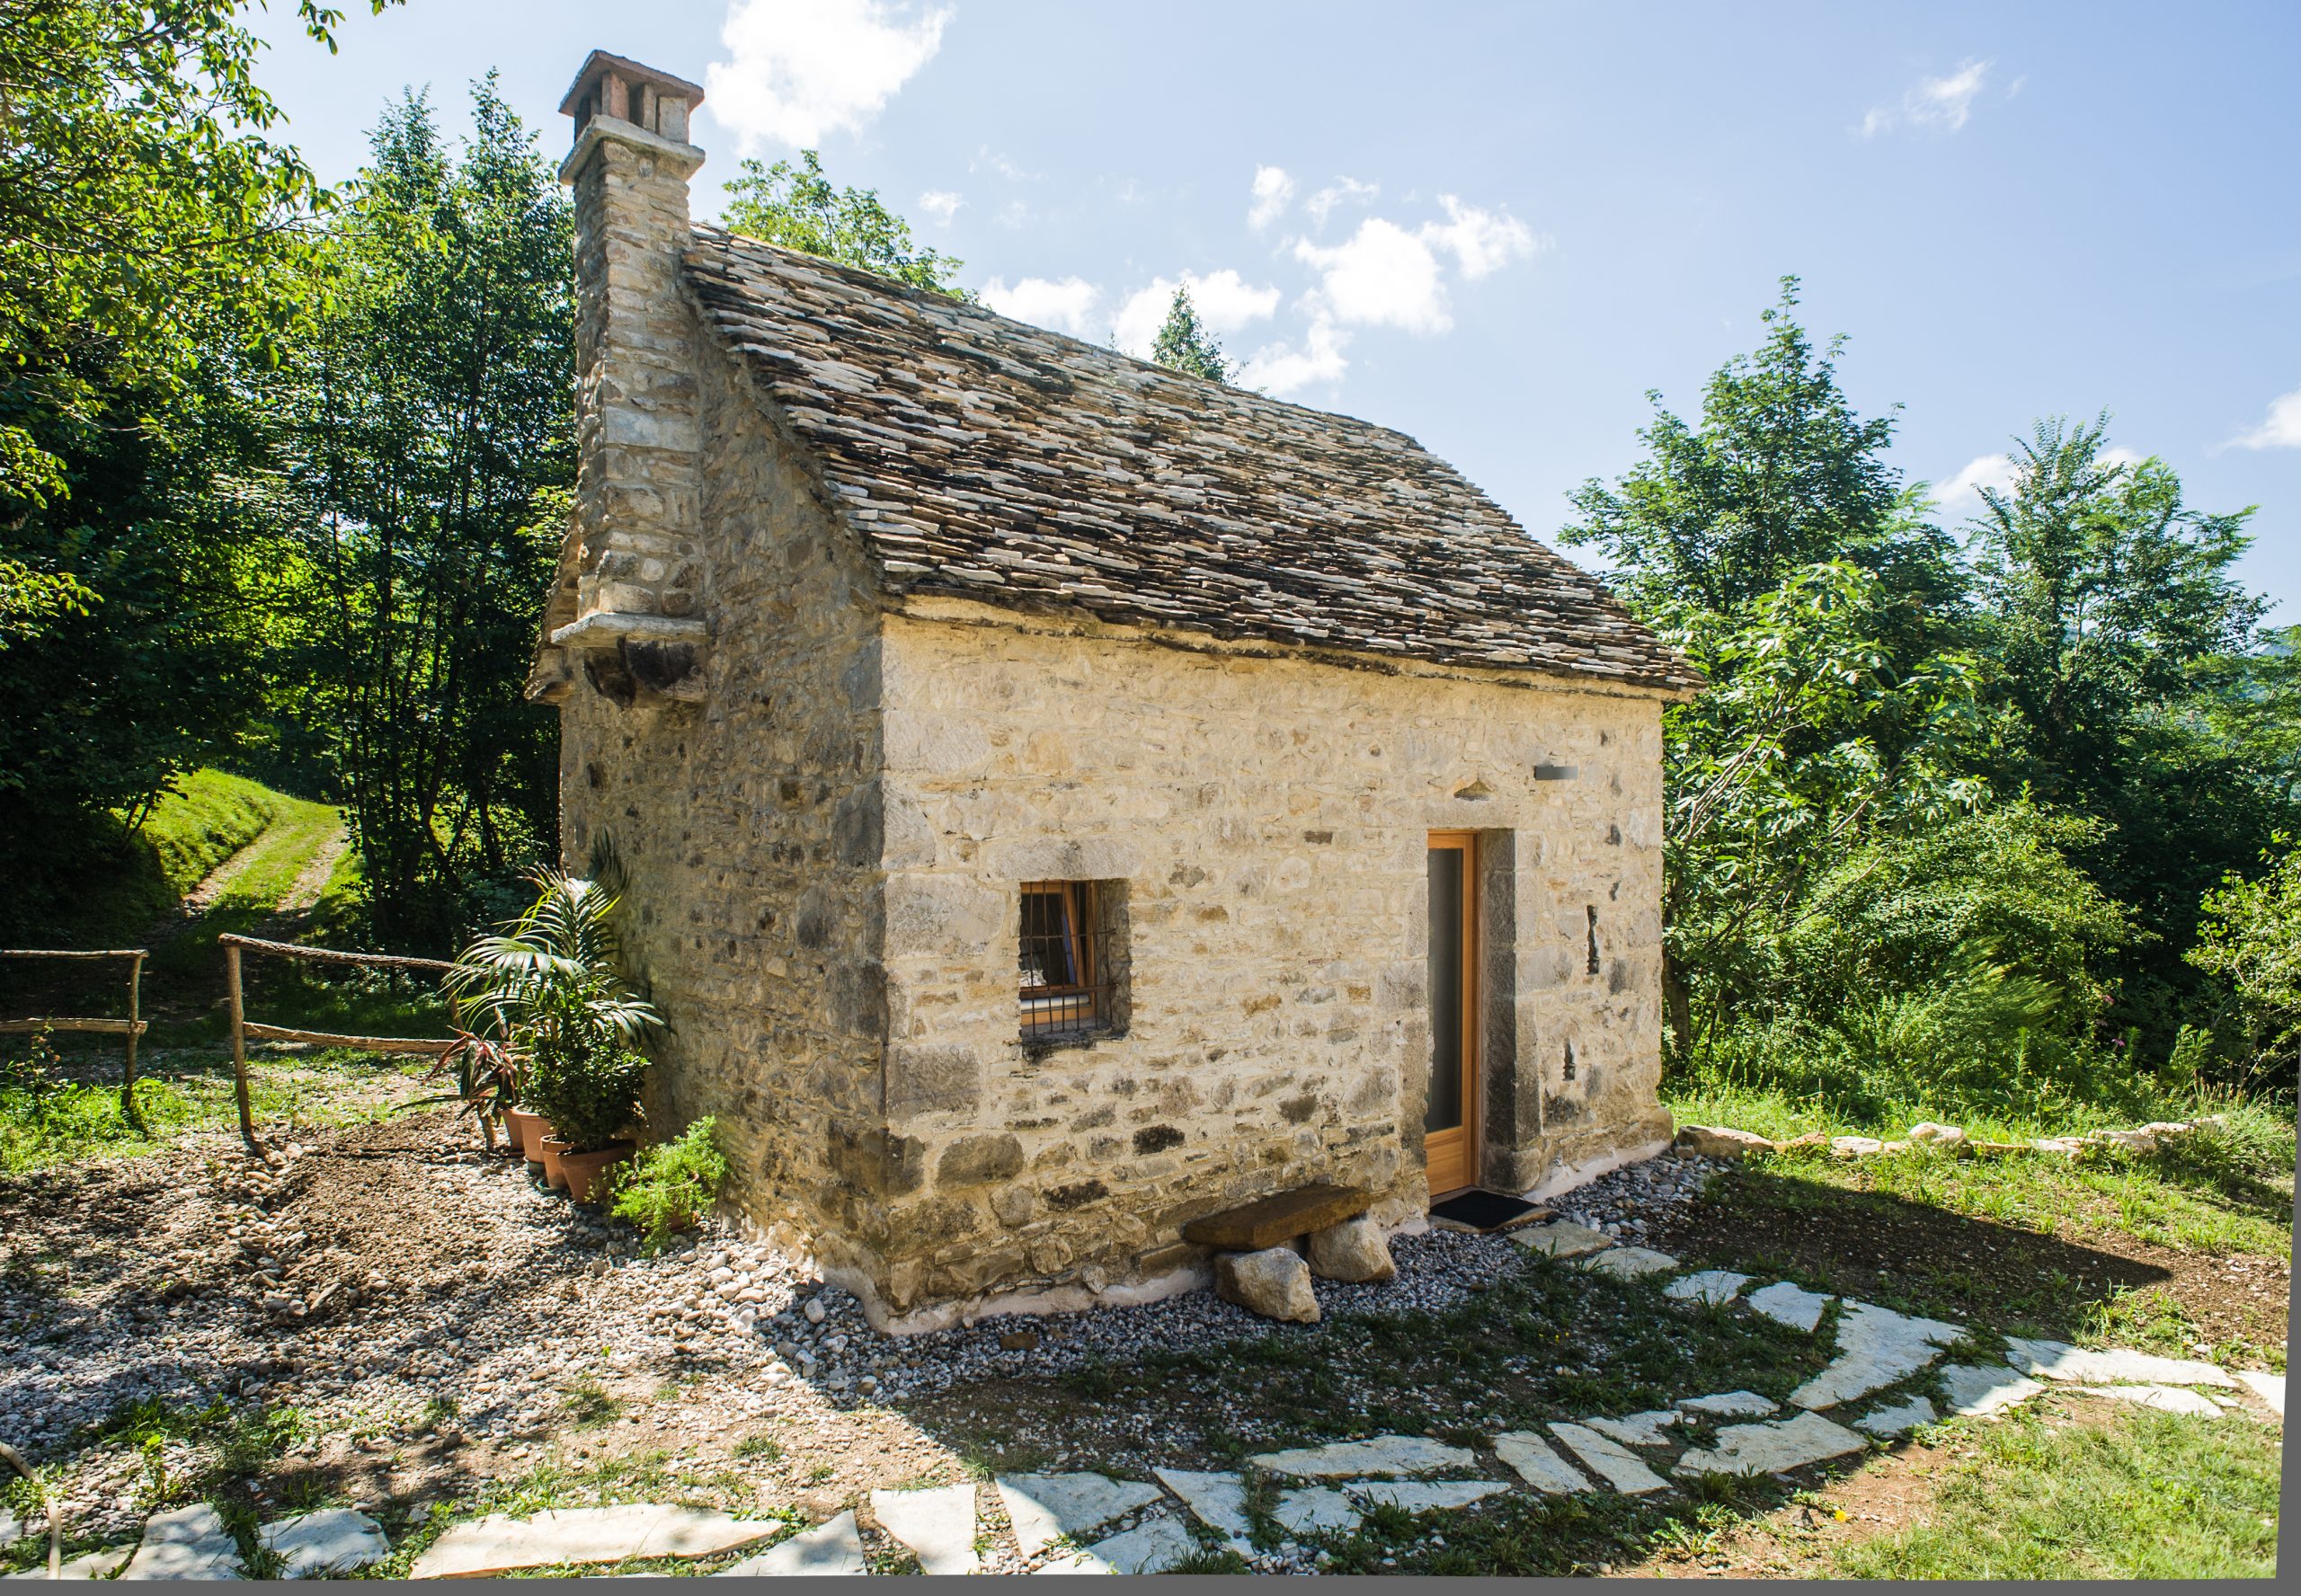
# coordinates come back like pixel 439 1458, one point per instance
pixel 985 458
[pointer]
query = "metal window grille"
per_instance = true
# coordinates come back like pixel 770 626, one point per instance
pixel 1068 964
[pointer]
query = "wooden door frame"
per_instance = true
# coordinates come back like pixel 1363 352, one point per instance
pixel 1472 1028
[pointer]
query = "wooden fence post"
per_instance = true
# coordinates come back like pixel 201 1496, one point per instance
pixel 239 1043
pixel 127 1073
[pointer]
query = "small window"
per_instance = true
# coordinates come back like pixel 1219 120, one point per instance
pixel 1072 960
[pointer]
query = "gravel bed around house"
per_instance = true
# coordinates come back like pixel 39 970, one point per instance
pixel 390 1266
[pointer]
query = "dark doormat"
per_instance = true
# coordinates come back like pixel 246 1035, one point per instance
pixel 1484 1210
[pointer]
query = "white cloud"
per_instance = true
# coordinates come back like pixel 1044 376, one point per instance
pixel 800 69
pixel 941 204
pixel 2281 428
pixel 2117 455
pixel 1279 368
pixel 1321 204
pixel 1963 490
pixel 1382 276
pixel 1274 192
pixel 1942 104
pixel 1067 307
pixel 1225 301
pixel 1481 241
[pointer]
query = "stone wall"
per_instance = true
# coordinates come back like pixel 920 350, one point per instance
pixel 1269 816
pixel 749 826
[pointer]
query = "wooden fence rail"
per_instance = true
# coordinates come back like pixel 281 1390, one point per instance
pixel 132 1027
pixel 244 1030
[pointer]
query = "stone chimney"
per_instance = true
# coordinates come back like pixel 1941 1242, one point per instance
pixel 628 610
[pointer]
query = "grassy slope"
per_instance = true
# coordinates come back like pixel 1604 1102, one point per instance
pixel 2150 1495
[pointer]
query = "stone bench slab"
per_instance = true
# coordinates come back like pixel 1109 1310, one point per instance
pixel 1268 1221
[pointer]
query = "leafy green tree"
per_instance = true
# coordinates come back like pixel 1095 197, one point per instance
pixel 2252 938
pixel 1184 345
pixel 2119 647
pixel 796 207
pixel 138 196
pixel 1780 473
pixel 427 443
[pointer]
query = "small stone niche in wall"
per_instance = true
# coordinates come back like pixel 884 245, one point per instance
pixel 1073 963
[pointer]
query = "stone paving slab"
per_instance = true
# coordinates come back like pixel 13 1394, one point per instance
pixel 11 1529
pixel 1977 1390
pixel 1608 1459
pixel 936 1524
pixel 1384 1454
pixel 188 1543
pixel 1788 1304
pixel 1710 1285
pixel 1537 1462
pixel 2176 1399
pixel 1877 1347
pixel 1044 1507
pixel 332 1540
pixel 832 1547
pixel 1729 1405
pixel 1316 1510
pixel 2058 1361
pixel 87 1565
pixel 1562 1238
pixel 1773 1447
pixel 1886 1423
pixel 500 1542
pixel 1630 1263
pixel 2269 1388
pixel 1152 1547
pixel 1415 1497
pixel 1638 1429
pixel 1219 1499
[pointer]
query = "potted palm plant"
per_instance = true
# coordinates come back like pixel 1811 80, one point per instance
pixel 550 986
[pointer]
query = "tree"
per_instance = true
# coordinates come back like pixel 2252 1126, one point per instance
pixel 428 453
pixel 137 196
pixel 2252 938
pixel 796 207
pixel 1780 475
pixel 2122 652
pixel 1184 345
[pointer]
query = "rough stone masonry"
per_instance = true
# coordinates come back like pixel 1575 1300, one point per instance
pixel 876 607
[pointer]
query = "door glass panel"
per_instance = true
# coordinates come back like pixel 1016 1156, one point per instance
pixel 1446 885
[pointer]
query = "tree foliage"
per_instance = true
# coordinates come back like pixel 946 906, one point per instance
pixel 139 196
pixel 1930 797
pixel 427 451
pixel 2252 938
pixel 1184 344
pixel 797 208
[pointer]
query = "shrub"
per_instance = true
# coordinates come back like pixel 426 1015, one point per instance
pixel 673 1183
pixel 551 985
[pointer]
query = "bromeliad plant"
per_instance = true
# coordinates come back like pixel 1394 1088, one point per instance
pixel 549 989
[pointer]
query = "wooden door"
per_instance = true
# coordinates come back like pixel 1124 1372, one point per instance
pixel 1450 1125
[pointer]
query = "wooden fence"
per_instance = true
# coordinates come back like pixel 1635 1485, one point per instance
pixel 132 1027
pixel 244 1030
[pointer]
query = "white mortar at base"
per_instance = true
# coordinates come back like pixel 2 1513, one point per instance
pixel 1575 1176
pixel 1069 1298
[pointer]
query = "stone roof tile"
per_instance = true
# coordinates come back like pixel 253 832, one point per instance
pixel 985 458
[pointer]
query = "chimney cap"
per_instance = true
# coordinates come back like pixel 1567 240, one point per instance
pixel 633 74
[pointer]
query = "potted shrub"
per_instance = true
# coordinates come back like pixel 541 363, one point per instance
pixel 550 986
pixel 487 1085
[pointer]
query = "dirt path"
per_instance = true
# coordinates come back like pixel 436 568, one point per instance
pixel 293 910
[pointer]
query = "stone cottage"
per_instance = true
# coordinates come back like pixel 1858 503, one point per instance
pixel 1063 798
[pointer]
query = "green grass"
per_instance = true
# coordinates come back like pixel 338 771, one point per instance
pixel 2149 1495
pixel 2225 1191
pixel 275 858
pixel 47 1121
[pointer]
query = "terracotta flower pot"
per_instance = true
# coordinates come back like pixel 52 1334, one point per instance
pixel 554 1150
pixel 525 1133
pixel 588 1174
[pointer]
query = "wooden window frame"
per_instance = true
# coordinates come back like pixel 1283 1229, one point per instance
pixel 1074 1003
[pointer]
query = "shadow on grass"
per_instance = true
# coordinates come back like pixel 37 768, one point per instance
pixel 1905 1254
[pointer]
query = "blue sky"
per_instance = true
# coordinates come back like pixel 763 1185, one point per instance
pixel 1495 227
